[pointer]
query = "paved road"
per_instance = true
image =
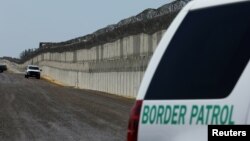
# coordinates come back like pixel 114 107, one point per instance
pixel 35 110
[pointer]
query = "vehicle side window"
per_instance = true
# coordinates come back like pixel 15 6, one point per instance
pixel 206 56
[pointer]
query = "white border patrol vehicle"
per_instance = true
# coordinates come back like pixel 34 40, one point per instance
pixel 33 71
pixel 199 74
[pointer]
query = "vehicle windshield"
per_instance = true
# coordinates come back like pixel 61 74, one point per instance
pixel 33 68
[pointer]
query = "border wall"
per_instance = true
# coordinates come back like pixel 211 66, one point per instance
pixel 116 67
pixel 112 59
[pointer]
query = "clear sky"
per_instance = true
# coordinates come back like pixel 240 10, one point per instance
pixel 25 23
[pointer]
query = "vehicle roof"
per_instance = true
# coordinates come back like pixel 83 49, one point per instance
pixel 33 66
pixel 198 4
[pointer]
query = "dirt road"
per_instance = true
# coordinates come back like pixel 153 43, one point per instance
pixel 35 110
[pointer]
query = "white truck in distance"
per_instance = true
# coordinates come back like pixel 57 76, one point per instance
pixel 33 71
